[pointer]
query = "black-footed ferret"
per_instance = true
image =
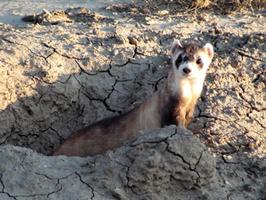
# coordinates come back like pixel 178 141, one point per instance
pixel 174 103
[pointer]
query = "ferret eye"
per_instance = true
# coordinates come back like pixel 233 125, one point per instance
pixel 199 61
pixel 178 60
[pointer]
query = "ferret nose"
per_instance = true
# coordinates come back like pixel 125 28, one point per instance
pixel 186 70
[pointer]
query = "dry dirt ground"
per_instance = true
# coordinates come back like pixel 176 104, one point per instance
pixel 72 68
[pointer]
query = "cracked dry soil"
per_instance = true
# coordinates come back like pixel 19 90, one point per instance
pixel 59 77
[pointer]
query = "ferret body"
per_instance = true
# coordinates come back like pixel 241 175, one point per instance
pixel 174 103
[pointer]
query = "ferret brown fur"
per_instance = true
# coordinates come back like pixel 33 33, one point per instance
pixel 174 103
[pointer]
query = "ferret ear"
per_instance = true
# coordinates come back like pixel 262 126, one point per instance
pixel 209 48
pixel 176 46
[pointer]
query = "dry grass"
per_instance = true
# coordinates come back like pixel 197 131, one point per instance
pixel 224 5
pixel 227 3
pixel 231 4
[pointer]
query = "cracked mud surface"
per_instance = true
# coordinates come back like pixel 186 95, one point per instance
pixel 151 167
pixel 58 78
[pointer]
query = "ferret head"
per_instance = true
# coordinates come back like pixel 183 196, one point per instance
pixel 191 61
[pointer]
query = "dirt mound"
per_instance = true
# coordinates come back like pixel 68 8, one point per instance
pixel 157 165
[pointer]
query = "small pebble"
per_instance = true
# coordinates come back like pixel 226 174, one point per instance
pixel 116 52
pixel 163 12
pixel 132 41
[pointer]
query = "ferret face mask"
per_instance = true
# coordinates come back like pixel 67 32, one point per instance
pixel 191 61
